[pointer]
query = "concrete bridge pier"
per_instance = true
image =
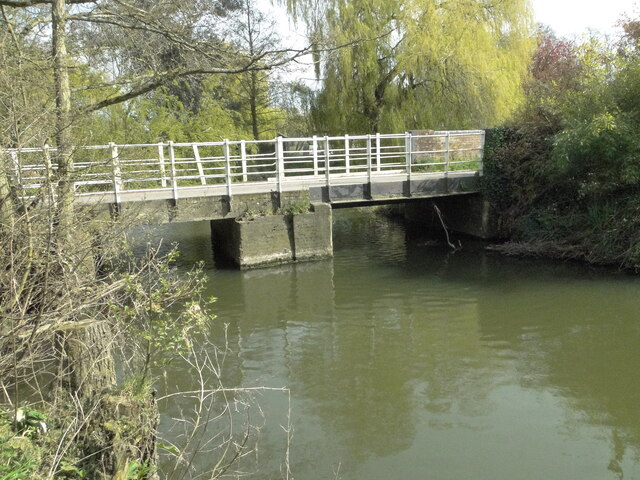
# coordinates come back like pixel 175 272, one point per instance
pixel 256 241
pixel 468 214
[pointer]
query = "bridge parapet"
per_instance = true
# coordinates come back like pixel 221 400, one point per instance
pixel 119 174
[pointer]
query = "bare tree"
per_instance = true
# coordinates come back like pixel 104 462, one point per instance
pixel 256 36
pixel 74 309
pixel 66 306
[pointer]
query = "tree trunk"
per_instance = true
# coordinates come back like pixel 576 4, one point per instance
pixel 373 110
pixel 253 103
pixel 6 203
pixel 87 365
pixel 64 159
pixel 88 362
pixel 253 75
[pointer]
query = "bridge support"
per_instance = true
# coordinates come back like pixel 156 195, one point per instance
pixel 256 241
pixel 469 214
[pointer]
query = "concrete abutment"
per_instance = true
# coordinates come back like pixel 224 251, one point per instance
pixel 252 230
pixel 468 214
pixel 256 241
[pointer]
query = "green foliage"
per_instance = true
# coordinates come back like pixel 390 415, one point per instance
pixel 70 471
pixel 417 64
pixel 138 471
pixel 14 466
pixel 30 422
pixel 163 309
pixel 297 208
pixel 569 171
pixel 600 155
pixel 17 458
pixel 598 152
pixel 516 174
pixel 222 111
pixel 169 448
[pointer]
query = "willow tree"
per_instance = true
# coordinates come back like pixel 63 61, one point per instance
pixel 418 63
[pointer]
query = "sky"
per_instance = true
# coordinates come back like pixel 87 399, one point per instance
pixel 568 18
pixel 575 17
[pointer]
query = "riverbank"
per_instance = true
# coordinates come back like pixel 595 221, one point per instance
pixel 544 209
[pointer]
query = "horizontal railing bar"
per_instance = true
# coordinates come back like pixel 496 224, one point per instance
pixel 438 134
pixel 115 168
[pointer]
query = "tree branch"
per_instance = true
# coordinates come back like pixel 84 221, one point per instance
pixel 168 76
pixel 31 3
pixel 253 65
pixel 114 20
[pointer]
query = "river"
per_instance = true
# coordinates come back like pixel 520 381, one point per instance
pixel 404 360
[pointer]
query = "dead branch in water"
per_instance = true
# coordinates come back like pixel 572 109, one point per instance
pixel 446 231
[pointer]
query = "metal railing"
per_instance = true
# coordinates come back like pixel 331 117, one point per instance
pixel 227 167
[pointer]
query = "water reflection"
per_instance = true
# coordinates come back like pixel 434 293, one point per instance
pixel 407 361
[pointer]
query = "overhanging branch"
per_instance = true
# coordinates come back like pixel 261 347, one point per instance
pixel 32 3
pixel 252 65
pixel 169 76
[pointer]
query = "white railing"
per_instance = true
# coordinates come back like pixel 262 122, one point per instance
pixel 227 167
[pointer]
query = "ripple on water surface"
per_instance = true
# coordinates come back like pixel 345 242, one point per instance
pixel 407 361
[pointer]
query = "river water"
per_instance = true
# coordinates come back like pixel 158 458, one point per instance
pixel 404 360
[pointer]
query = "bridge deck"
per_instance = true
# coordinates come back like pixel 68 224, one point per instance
pixel 171 171
pixel 421 184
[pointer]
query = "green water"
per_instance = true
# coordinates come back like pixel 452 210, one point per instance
pixel 405 361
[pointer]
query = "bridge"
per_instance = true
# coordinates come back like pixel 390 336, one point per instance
pixel 228 181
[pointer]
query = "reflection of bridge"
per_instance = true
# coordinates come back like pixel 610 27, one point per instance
pixel 346 168
pixel 269 201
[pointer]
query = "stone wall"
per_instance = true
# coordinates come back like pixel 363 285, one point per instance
pixel 312 233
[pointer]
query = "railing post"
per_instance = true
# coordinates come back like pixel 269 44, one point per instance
pixel 117 174
pixel 407 149
pixel 482 140
pixel 243 159
pixel 446 153
pixel 369 160
pixel 314 147
pixel 378 152
pixel 346 154
pixel 163 172
pixel 16 166
pixel 279 163
pixel 227 165
pixel 172 161
pixel 196 156
pixel 49 172
pixel 327 162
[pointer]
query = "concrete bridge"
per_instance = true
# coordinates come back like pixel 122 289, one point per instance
pixel 269 201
